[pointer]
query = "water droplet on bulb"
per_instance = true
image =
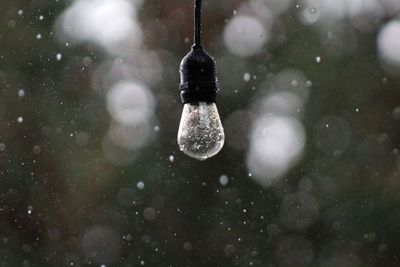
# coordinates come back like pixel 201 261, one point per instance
pixel 200 134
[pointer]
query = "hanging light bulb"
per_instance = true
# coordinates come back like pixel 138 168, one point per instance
pixel 200 133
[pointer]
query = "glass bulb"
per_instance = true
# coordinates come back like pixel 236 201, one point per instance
pixel 200 134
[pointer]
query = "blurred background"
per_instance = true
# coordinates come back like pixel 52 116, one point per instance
pixel 90 172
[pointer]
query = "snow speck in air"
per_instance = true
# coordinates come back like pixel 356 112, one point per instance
pixel 149 214
pixel 246 77
pixel 156 128
pixel 20 119
pixel 187 246
pixel 128 237
pixel 140 185
pixel 2 147
pixel 30 209
pixel 223 180
pixel 318 59
pixel 171 158
pixel 41 18
pixel 36 150
pixel 20 12
pixel 21 93
pixel 39 36
pixel 244 36
pixel 58 57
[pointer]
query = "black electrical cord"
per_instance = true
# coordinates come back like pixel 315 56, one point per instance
pixel 198 69
pixel 197 22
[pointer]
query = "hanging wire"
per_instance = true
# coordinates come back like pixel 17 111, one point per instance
pixel 197 23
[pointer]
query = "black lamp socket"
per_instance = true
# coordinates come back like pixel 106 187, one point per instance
pixel 199 81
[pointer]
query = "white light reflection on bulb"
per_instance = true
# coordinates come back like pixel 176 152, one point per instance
pixel 200 134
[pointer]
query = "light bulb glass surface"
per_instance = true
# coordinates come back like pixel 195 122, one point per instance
pixel 200 134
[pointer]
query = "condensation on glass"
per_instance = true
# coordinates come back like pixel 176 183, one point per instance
pixel 200 134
